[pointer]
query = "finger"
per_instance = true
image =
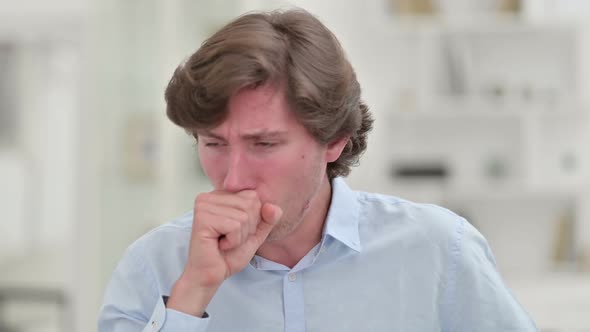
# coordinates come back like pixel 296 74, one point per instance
pixel 231 240
pixel 239 215
pixel 239 200
pixel 243 206
pixel 213 226
pixel 252 208
pixel 246 200
pixel 271 214
pixel 225 211
pixel 248 194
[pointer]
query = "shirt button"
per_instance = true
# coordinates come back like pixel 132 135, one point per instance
pixel 292 277
pixel 154 326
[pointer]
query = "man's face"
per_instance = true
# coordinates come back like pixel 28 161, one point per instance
pixel 261 146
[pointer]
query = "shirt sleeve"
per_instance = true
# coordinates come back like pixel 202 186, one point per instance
pixel 132 302
pixel 480 300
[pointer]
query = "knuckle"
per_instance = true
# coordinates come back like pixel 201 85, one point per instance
pixel 201 198
pixel 250 194
pixel 243 217
pixel 257 204
pixel 253 201
pixel 234 225
pixel 199 218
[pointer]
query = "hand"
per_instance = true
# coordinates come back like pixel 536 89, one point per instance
pixel 228 229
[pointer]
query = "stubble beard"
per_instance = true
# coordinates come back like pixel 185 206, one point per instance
pixel 290 221
pixel 288 224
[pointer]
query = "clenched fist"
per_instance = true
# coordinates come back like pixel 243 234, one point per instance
pixel 228 228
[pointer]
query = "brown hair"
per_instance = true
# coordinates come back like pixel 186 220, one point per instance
pixel 284 47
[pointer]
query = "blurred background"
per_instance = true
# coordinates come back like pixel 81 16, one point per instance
pixel 480 106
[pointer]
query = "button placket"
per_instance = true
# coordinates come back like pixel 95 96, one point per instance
pixel 293 302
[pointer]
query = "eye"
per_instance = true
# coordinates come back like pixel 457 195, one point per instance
pixel 265 144
pixel 213 144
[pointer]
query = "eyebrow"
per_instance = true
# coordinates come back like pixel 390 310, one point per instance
pixel 253 136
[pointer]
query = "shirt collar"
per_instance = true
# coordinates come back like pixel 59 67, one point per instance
pixel 342 221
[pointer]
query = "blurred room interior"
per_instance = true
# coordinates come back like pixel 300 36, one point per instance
pixel 480 106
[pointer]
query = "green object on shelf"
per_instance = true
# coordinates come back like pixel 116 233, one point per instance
pixel 496 168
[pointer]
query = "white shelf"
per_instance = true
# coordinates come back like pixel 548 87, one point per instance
pixel 510 194
pixel 499 105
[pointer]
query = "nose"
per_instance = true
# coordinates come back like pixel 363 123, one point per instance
pixel 238 175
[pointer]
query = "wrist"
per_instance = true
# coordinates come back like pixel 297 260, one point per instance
pixel 190 298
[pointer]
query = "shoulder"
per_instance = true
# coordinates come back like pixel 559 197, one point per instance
pixel 166 235
pixel 391 212
pixel 163 251
pixel 425 224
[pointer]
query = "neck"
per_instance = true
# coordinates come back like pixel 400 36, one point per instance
pixel 291 249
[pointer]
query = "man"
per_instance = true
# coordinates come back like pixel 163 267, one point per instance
pixel 282 244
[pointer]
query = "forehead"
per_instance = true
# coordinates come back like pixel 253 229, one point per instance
pixel 263 108
pixel 264 100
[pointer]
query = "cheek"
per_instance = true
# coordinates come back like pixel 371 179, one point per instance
pixel 293 167
pixel 212 166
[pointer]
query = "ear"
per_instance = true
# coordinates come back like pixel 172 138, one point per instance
pixel 335 148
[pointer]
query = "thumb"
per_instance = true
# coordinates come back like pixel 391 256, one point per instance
pixel 270 214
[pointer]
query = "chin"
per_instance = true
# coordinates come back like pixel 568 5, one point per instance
pixel 287 226
pixel 282 230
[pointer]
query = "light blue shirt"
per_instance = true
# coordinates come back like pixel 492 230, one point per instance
pixel 383 264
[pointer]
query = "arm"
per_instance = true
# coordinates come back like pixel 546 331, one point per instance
pixel 132 302
pixel 479 299
pixel 227 230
